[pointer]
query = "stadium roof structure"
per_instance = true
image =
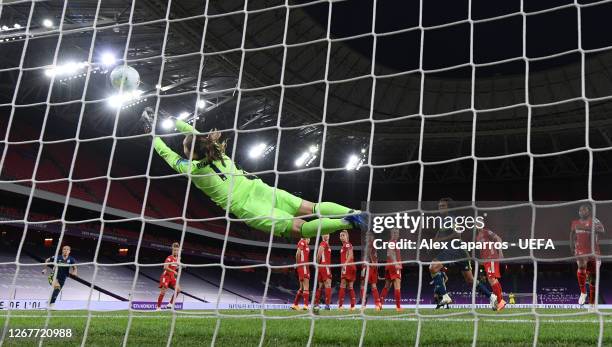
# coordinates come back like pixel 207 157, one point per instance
pixel 188 77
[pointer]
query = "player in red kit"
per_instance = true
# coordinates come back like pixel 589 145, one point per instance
pixel 581 232
pixel 369 273
pixel 393 272
pixel 168 277
pixel 491 265
pixel 303 270
pixel 349 271
pixel 324 272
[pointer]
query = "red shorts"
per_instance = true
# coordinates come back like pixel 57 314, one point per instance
pixel 372 274
pixel 324 274
pixel 391 273
pixel 167 282
pixel 349 273
pixel 492 269
pixel 303 272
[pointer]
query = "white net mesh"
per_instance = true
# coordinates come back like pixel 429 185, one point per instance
pixel 177 76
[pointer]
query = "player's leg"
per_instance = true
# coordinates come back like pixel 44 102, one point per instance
pixel 298 295
pixel 385 290
pixel 376 296
pixel 57 287
pixel 296 206
pixel 351 293
pixel 305 291
pixel 397 288
pixel 437 276
pixel 481 288
pixel 160 297
pixel 177 289
pixel 362 287
pixel 328 293
pixel 341 293
pixel 592 273
pixel 581 275
pixel 317 298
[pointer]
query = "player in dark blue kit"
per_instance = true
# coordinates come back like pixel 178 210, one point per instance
pixel 453 258
pixel 65 266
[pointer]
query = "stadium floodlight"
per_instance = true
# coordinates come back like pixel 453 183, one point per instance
pixel 201 103
pixel 17 26
pixel 70 68
pixel 119 100
pixel 354 162
pixel 302 159
pixel 4 27
pixel 108 59
pixel 167 124
pixel 47 23
pixel 257 151
pixel 183 115
pixel 307 157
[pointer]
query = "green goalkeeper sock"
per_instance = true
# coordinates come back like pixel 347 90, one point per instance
pixel 328 226
pixel 331 209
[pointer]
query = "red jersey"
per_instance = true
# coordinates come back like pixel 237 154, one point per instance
pixel 325 253
pixel 372 254
pixel 170 259
pixel 486 235
pixel 583 228
pixel 346 247
pixel 303 252
pixel 398 257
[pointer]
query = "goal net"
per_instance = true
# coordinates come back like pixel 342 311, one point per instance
pixel 501 111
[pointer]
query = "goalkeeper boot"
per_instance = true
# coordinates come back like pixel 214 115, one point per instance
pixel 358 221
pixel 493 301
pixel 582 299
pixel 501 305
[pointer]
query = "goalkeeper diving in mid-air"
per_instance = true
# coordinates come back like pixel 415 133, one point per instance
pixel 248 197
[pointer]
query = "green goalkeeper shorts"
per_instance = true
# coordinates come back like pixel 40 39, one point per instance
pixel 268 210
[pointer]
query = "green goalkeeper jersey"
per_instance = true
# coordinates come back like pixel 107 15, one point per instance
pixel 218 179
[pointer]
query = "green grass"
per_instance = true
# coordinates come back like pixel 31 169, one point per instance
pixel 513 327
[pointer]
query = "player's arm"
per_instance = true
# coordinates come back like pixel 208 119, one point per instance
pixel 319 254
pixel 297 256
pixel 349 256
pixel 185 128
pixel 167 268
pixel 572 238
pixel 391 254
pixel 598 226
pixel 44 270
pixel 176 162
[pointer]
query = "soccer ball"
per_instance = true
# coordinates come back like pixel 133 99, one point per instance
pixel 126 76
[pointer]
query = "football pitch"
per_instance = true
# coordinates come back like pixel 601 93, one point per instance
pixel 513 327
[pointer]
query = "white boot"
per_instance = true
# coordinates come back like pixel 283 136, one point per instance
pixel 582 299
